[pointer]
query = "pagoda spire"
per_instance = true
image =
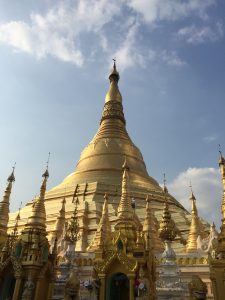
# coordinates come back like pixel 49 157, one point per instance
pixel 194 227
pixel 113 93
pixel 104 224
pixel 221 238
pixel 38 215
pixel 113 108
pixel 60 219
pixel 4 204
pixel 125 210
pixel 167 228
pixel 104 229
pixel 150 229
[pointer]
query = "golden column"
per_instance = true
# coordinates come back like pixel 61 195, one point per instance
pixel 102 278
pixel 17 288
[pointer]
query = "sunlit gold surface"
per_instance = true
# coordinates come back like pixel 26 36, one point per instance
pixel 167 228
pixel 194 228
pixel 124 249
pixel 26 256
pixel 4 208
pixel 99 170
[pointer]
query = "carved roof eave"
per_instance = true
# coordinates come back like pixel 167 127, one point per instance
pixel 129 264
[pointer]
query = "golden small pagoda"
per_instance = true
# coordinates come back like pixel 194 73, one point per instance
pixel 194 232
pixel 27 268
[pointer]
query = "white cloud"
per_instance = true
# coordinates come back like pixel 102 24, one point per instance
pixel 197 35
pixel 210 138
pixel 59 32
pixel 172 58
pixel 128 54
pixel 207 188
pixel 156 10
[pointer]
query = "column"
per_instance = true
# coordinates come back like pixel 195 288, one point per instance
pixel 17 288
pixel 50 289
pixel 131 286
pixel 102 286
pixel 37 290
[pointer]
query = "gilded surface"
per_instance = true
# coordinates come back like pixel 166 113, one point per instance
pixel 194 228
pixel 98 171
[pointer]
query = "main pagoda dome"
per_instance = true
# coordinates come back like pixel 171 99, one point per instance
pixel 99 170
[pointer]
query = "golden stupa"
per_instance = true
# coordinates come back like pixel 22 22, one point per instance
pixel 99 170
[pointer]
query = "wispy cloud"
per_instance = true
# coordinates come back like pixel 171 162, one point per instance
pixel 60 31
pixel 207 188
pixel 210 138
pixel 172 58
pixel 157 10
pixel 57 32
pixel 197 35
pixel 129 53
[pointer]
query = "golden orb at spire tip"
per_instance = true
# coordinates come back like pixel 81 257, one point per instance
pixel 221 159
pixel 114 75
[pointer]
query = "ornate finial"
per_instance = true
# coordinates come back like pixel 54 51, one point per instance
pixel 114 63
pixel 221 160
pixel 20 207
pixel 164 179
pixel 46 173
pixel 113 108
pixel 114 75
pixel 164 184
pixel 190 186
pixel 47 162
pixel 18 215
pixel 11 178
pixel 167 228
pixel 192 193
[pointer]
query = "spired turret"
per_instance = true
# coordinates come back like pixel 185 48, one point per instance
pixel 194 227
pixel 99 170
pixel 4 208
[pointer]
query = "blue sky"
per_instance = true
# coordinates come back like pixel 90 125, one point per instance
pixel 55 57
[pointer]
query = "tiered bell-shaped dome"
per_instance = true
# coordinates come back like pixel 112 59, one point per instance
pixel 102 159
pixel 99 170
